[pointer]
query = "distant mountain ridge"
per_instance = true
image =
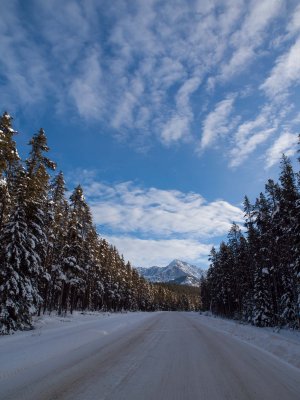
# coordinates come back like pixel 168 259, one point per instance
pixel 177 271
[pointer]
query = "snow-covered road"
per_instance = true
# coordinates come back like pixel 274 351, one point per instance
pixel 140 356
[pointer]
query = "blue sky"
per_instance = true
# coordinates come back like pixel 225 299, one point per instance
pixel 167 112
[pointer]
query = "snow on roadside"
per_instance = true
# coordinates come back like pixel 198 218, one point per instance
pixel 283 343
pixel 55 337
pixel 53 321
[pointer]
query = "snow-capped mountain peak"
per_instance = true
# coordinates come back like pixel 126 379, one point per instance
pixel 177 271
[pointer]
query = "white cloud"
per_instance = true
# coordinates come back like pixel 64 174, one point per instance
pixel 261 13
pixel 67 32
pixel 184 93
pixel 150 226
pixel 217 122
pixel 141 67
pixel 296 119
pixel 125 108
pixel 24 69
pixel 178 126
pixel 285 73
pixel 293 27
pixel 159 213
pixel 86 88
pixel 238 62
pixel 168 72
pixel 252 133
pixel 175 129
pixel 241 153
pixel 286 143
pixel 146 253
pixel 156 60
pixel 250 36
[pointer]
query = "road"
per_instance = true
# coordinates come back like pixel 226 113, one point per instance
pixel 167 356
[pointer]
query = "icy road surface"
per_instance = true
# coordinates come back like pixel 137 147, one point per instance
pixel 140 356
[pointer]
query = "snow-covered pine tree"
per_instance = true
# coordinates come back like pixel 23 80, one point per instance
pixel 262 315
pixel 91 266
pixel 246 280
pixel 128 298
pixel 20 266
pixel 253 251
pixel 95 275
pixel 271 239
pixel 227 279
pixel 58 210
pixel 238 265
pixel 296 246
pixel 289 197
pixel 9 160
pixel 37 207
pixel 213 282
pixel 109 268
pixel 8 151
pixel 134 279
pixel 76 252
pixel 105 272
pixel 5 202
pixel 268 252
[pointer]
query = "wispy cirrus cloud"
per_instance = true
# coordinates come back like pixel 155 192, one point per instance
pixel 293 26
pixel 153 69
pixel 264 129
pixel 251 133
pixel 179 125
pixel 285 144
pixel 285 73
pixel 250 36
pixel 84 87
pixel 25 76
pixel 217 122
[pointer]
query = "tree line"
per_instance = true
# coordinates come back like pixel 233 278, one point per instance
pixel 51 256
pixel 255 275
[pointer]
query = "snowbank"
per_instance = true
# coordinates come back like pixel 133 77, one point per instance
pixel 283 343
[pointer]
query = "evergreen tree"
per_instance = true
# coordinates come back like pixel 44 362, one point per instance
pixel 287 240
pixel 76 252
pixel 8 152
pixel 9 162
pixel 58 211
pixel 264 292
pixel 296 247
pixel 261 313
pixel 20 267
pixel 37 207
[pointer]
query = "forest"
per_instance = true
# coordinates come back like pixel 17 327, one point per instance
pixel 255 275
pixel 52 258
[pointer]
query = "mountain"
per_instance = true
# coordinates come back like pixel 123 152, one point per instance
pixel 177 271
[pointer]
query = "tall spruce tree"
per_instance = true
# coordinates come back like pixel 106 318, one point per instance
pixel 58 211
pixel 20 266
pixel 37 207
pixel 287 240
pixel 296 247
pixel 9 161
